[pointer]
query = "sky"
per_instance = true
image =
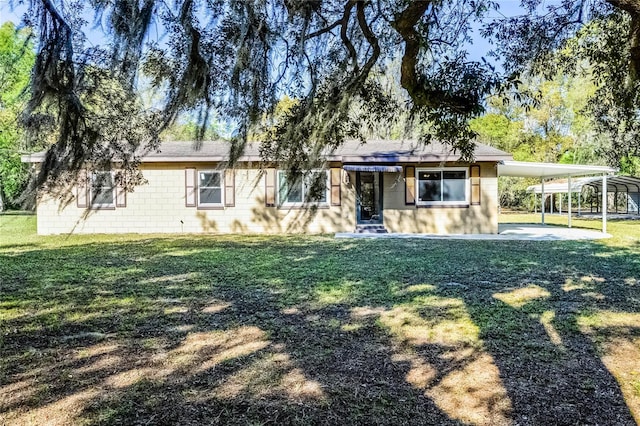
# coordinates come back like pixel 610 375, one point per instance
pixel 6 14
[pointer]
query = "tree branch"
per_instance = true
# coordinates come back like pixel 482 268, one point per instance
pixel 404 24
pixel 371 39
pixel 422 95
pixel 322 31
pixel 343 33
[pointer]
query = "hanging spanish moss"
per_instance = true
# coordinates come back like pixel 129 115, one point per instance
pixel 236 60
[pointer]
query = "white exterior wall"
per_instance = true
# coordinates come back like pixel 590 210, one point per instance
pixel 159 207
pixel 474 219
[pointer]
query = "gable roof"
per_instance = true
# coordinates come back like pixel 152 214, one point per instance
pixel 351 151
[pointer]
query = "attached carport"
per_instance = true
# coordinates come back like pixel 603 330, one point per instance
pixel 545 171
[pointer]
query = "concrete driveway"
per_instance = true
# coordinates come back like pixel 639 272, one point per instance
pixel 507 231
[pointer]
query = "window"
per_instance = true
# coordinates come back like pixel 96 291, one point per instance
pixel 102 191
pixel 303 190
pixel 209 189
pixel 442 186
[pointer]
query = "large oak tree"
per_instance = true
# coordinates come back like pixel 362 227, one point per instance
pixel 239 57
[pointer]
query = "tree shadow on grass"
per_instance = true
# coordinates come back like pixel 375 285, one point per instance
pixel 308 331
pixel 189 340
pixel 288 369
pixel 550 364
pixel 552 372
pixel 236 365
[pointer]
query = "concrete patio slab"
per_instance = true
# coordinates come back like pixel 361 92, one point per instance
pixel 507 231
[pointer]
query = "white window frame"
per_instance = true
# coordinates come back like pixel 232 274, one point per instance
pixel 198 187
pixel 284 203
pixel 467 197
pixel 92 194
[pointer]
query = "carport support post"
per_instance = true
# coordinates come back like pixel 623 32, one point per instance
pixel 569 207
pixel 604 203
pixel 542 198
pixel 579 203
pixel 560 203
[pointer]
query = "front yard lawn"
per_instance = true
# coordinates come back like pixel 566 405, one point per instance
pixel 312 330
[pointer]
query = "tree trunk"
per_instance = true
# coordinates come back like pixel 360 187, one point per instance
pixel 634 48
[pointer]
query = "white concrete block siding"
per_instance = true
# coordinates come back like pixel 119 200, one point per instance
pixel 159 207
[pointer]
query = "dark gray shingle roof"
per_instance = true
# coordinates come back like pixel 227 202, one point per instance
pixel 352 151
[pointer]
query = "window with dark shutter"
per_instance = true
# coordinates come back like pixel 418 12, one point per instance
pixel 210 189
pixel 446 186
pixel 102 191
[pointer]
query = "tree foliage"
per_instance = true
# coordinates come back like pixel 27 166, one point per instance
pixel 556 128
pixel 595 39
pixel 237 58
pixel 16 59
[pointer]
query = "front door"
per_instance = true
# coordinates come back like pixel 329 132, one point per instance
pixel 369 197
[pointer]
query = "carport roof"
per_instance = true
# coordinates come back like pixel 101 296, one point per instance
pixel 548 170
pixel 614 184
pixel 618 183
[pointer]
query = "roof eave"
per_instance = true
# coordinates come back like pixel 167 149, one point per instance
pixel 430 158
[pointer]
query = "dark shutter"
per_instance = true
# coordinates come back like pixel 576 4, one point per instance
pixel 336 174
pixel 121 193
pixel 410 185
pixel 270 187
pixel 82 190
pixel 190 187
pixel 229 188
pixel 475 185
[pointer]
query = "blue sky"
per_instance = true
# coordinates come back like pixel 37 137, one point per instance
pixel 6 14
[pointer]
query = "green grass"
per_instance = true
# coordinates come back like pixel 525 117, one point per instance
pixel 132 329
